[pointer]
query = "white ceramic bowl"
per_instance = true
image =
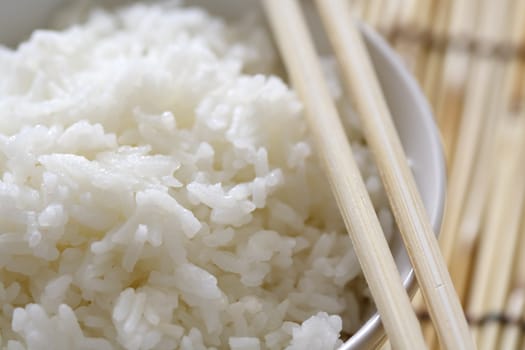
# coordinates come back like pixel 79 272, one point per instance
pixel 411 113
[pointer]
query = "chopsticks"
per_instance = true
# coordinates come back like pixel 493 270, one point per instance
pixel 416 230
pixel 370 245
pixel 300 59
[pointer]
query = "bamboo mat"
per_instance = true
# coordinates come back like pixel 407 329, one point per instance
pixel 469 59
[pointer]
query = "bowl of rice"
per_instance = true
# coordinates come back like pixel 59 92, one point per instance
pixel 159 188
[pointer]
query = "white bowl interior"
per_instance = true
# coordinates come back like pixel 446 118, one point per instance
pixel 411 113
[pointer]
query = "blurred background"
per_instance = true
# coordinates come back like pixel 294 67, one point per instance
pixel 469 58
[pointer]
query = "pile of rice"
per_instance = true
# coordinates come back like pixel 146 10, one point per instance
pixel 159 190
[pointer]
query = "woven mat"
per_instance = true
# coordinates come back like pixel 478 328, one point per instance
pixel 469 58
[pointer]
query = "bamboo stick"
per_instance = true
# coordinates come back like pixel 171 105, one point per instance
pixel 382 344
pixel 412 29
pixel 428 69
pixel 504 249
pixel 455 71
pixel 374 12
pixel 515 308
pixel 472 220
pixel 450 113
pixel 516 38
pixel 488 252
pixel 411 217
pixel 428 329
pixel 520 276
pixel 496 106
pixel 511 333
pixel 471 128
pixel 518 93
pixel 492 300
pixel 467 233
pixel 479 90
pixel 386 346
pixel 358 7
pixel 378 266
pixel 516 304
pixel 433 67
pixel 423 23
pixel 471 212
pixel 389 14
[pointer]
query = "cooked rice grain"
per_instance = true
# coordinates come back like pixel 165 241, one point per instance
pixel 157 193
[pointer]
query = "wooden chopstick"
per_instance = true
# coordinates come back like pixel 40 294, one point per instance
pixel 382 138
pixel 430 68
pixel 296 47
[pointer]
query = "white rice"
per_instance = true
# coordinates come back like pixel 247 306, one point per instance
pixel 156 193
